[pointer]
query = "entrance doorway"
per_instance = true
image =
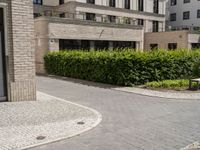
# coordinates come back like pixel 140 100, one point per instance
pixel 3 91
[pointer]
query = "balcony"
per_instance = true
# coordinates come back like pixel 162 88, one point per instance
pixel 90 18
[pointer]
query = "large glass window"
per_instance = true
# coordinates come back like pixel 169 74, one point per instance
pixel 112 19
pixel 172 46
pixel 61 2
pixel 100 45
pixel 186 15
pixel 198 13
pixel 90 16
pixel 173 2
pixel 91 1
pixel 74 44
pixel 173 17
pixel 127 4
pixel 124 44
pixel 156 6
pixel 141 5
pixel 39 2
pixel 186 1
pixel 155 26
pixel 112 3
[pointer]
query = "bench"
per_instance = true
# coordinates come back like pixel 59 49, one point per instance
pixel 197 81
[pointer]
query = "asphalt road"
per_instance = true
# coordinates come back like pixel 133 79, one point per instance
pixel 130 121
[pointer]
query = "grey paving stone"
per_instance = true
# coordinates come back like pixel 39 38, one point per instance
pixel 130 121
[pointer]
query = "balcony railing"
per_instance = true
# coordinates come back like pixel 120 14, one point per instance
pixel 87 17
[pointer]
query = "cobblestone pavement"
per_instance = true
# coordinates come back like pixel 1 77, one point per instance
pixel 27 124
pixel 130 121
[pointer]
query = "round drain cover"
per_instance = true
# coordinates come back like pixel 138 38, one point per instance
pixel 80 123
pixel 40 137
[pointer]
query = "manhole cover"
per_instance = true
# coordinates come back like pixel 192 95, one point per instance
pixel 80 123
pixel 40 137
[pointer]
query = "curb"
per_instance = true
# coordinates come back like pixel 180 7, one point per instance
pixel 160 94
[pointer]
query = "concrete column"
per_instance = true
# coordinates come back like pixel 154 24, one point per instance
pixel 146 25
pixel 98 18
pixel 139 46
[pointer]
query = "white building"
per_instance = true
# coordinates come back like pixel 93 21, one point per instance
pixel 94 24
pixel 183 14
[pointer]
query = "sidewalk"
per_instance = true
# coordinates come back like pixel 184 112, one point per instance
pixel 28 124
pixel 166 94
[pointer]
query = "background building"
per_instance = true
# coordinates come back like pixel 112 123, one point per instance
pixel 172 40
pixel 17 61
pixel 183 14
pixel 94 24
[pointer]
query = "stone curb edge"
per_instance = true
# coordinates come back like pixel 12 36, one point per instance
pixel 99 116
pixel 160 94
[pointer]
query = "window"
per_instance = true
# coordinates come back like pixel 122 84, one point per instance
pixel 156 6
pixel 62 15
pixel 141 5
pixel 90 16
pixel 112 19
pixel 100 45
pixel 186 1
pixel 140 22
pixel 153 46
pixel 186 15
pixel 195 45
pixel 112 3
pixel 173 17
pixel 36 15
pixel 172 46
pixel 173 2
pixel 124 44
pixel 39 2
pixel 91 1
pixel 65 44
pixel 61 2
pixel 127 4
pixel 198 13
pixel 155 26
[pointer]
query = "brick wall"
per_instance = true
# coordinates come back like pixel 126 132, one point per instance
pixel 20 50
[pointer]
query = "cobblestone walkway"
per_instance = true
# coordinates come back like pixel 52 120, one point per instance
pixel 27 124
pixel 130 121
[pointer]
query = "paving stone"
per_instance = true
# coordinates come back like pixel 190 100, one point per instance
pixel 130 121
pixel 27 124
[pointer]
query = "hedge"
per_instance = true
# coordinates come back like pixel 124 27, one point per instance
pixel 123 68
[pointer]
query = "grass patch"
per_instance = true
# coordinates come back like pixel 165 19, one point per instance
pixel 169 84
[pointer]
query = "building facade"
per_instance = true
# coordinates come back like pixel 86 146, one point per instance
pixel 183 14
pixel 17 52
pixel 172 40
pixel 94 24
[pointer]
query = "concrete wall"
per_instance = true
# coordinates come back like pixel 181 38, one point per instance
pixel 48 31
pixel 20 50
pixel 163 38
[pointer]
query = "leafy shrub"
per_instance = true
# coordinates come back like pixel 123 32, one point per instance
pixel 122 67
pixel 196 70
pixel 169 84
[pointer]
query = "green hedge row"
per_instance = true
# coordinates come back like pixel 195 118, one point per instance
pixel 125 67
